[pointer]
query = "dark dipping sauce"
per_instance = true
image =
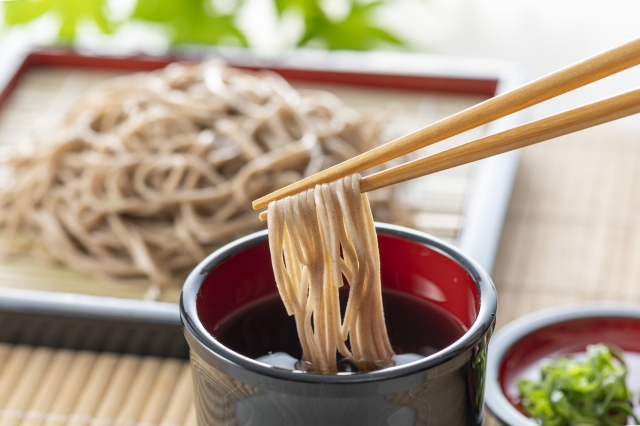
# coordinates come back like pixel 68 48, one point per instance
pixel 414 325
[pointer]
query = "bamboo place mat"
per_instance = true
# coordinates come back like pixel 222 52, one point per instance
pixel 43 95
pixel 59 387
pixel 572 232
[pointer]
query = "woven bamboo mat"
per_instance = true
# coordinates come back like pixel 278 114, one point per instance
pixel 572 233
pixel 57 387
pixel 43 95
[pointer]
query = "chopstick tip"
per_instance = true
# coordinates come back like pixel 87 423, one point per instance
pixel 256 204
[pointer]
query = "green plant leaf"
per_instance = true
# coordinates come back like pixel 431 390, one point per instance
pixel 306 8
pixel 162 11
pixel 356 31
pixel 190 21
pixel 22 12
pixel 71 12
pixel 197 21
pixel 212 30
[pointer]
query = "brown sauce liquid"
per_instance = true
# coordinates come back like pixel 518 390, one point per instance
pixel 414 326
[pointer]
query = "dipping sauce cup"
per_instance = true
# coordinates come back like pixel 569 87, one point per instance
pixel 443 389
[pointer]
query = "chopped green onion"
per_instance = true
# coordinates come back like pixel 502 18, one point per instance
pixel 573 392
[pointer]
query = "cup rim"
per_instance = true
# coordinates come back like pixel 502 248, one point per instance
pixel 509 335
pixel 199 335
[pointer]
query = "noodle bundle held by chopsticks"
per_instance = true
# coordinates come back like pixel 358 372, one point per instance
pixel 151 172
pixel 316 237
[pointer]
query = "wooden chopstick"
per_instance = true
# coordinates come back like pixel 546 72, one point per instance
pixel 580 74
pixel 541 130
pixel 547 128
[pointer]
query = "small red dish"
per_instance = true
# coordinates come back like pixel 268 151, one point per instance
pixel 518 348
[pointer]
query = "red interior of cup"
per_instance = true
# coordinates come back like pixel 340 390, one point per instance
pixel 406 265
pixel 573 336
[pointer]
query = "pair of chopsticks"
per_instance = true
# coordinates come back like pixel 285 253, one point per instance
pixel 580 74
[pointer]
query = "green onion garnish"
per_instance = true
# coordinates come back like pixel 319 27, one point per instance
pixel 574 392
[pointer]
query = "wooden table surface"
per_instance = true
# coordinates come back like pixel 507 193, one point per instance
pixel 572 233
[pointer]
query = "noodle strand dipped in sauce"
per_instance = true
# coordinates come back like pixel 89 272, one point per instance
pixel 316 238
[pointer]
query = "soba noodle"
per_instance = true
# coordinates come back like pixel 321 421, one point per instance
pixel 316 238
pixel 151 172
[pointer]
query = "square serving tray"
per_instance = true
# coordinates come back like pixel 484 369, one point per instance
pixel 465 205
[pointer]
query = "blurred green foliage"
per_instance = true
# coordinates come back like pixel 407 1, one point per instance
pixel 356 31
pixel 190 21
pixel 71 13
pixel 200 21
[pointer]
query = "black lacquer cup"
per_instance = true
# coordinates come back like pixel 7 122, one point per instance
pixel 445 388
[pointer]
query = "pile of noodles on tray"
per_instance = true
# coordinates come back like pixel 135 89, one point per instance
pixel 151 172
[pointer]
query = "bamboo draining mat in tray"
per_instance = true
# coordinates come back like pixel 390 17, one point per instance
pixel 44 94
pixel 42 386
